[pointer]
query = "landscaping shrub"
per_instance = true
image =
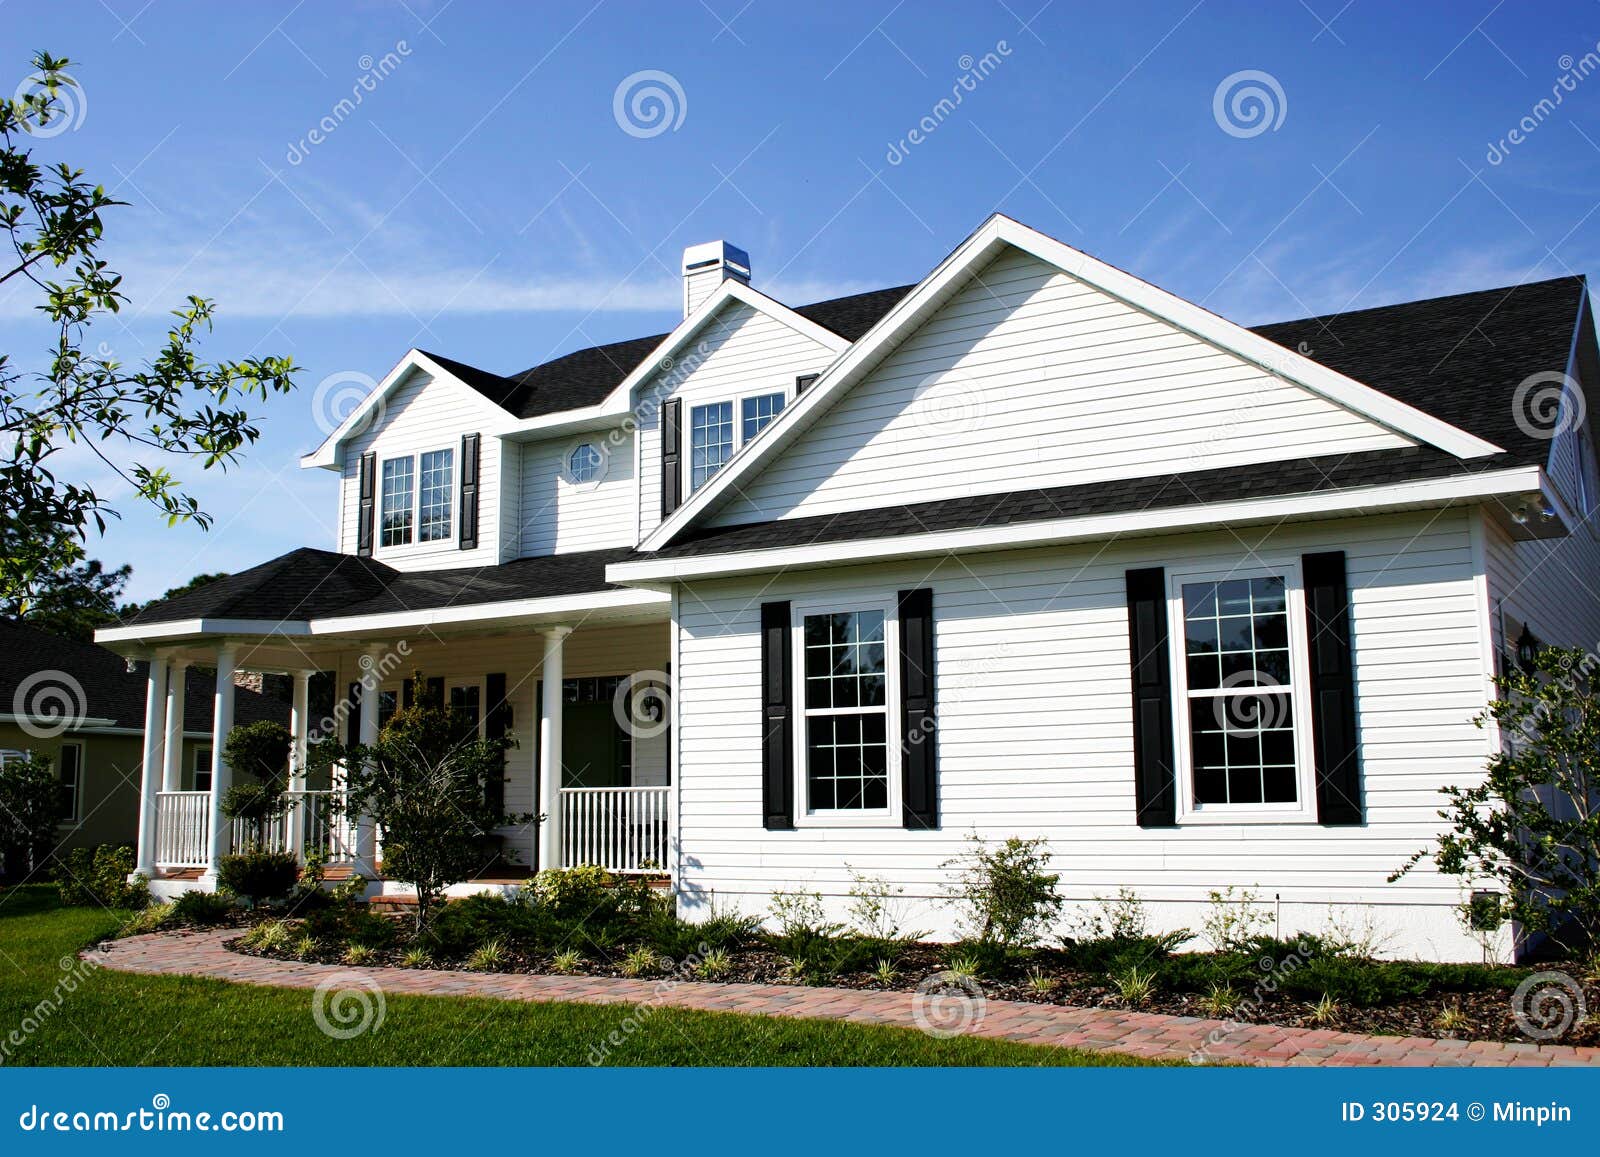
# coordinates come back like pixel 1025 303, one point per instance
pixel 1351 981
pixel 258 877
pixel 1004 895
pixel 463 925
pixel 350 924
pixel 260 752
pixel 201 908
pixel 31 805
pixel 1114 953
pixel 99 877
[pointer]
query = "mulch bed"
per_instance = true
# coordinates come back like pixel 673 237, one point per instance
pixel 1484 1015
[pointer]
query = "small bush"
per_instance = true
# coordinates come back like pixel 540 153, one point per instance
pixel 202 909
pixel 1231 924
pixel 1112 953
pixel 415 958
pixel 489 956
pixel 350 924
pixel 641 961
pixel 566 962
pixel 259 877
pixel 714 965
pixel 577 893
pixel 1004 895
pixel 148 919
pixel 359 954
pixel 1363 983
pixel 1135 985
pixel 269 936
pixel 98 877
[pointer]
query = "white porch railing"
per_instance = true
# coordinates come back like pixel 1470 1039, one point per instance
pixel 621 829
pixel 183 829
pixel 308 824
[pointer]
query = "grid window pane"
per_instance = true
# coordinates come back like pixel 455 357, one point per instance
pixel 584 463
pixel 846 696
pixel 1241 714
pixel 394 516
pixel 438 484
pixel 710 441
pixel 756 413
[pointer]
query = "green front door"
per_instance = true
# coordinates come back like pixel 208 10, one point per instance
pixel 593 747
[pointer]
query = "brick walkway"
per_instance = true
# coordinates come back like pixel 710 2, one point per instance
pixel 1137 1033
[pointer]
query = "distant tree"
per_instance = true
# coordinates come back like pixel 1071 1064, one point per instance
pixel 135 421
pixel 74 601
pixel 193 584
pixel 32 803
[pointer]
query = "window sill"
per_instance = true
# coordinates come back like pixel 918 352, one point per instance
pixel 1222 816
pixel 884 820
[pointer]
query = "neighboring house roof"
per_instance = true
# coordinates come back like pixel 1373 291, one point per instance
pixel 112 695
pixel 586 377
pixel 320 584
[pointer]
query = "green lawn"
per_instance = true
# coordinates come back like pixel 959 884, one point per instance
pixel 120 1019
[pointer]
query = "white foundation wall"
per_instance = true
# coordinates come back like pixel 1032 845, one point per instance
pixel 599 650
pixel 1035 736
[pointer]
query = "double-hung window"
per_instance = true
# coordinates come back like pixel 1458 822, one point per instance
pixel 847 725
pixel 756 413
pixel 395 509
pixel 69 771
pixel 202 769
pixel 710 441
pixel 1241 676
pixel 416 498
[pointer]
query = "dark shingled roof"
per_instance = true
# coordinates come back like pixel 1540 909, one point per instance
pixel 110 691
pixel 585 377
pixel 315 584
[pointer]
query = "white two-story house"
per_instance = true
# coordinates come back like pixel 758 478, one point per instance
pixel 1031 547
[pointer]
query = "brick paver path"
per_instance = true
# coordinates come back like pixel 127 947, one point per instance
pixel 1138 1033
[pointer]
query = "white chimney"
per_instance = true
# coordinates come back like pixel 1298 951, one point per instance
pixel 706 266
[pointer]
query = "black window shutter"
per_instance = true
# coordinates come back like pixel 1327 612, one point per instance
pixel 1155 787
pixel 671 456
pixel 919 740
pixel 777 707
pixel 353 721
pixel 803 382
pixel 366 506
pixel 469 490
pixel 1333 714
pixel 496 724
pixel 408 692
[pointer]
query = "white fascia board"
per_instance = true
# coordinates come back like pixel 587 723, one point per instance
pixel 328 456
pixel 184 629
pixel 1465 487
pixel 87 723
pixel 619 402
pixel 970 256
pixel 467 614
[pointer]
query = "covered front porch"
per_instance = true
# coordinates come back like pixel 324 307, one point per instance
pixel 588 693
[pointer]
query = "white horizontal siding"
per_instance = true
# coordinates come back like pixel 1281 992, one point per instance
pixel 1028 377
pixel 742 351
pixel 559 516
pixel 1036 732
pixel 421 414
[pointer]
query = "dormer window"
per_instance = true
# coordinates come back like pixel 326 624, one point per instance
pixel 710 441
pixel 757 412
pixel 416 500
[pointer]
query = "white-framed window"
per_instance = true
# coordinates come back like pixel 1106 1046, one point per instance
pixel 435 495
pixel 69 770
pixel 757 411
pixel 416 498
pixel 583 463
pixel 710 441
pixel 1241 708
pixel 395 498
pixel 202 769
pixel 846 689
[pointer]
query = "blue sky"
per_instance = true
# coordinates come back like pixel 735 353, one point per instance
pixel 484 200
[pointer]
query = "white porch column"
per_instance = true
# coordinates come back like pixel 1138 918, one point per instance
pixel 172 765
pixel 550 749
pixel 155 724
pixel 367 734
pixel 221 773
pixel 299 728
